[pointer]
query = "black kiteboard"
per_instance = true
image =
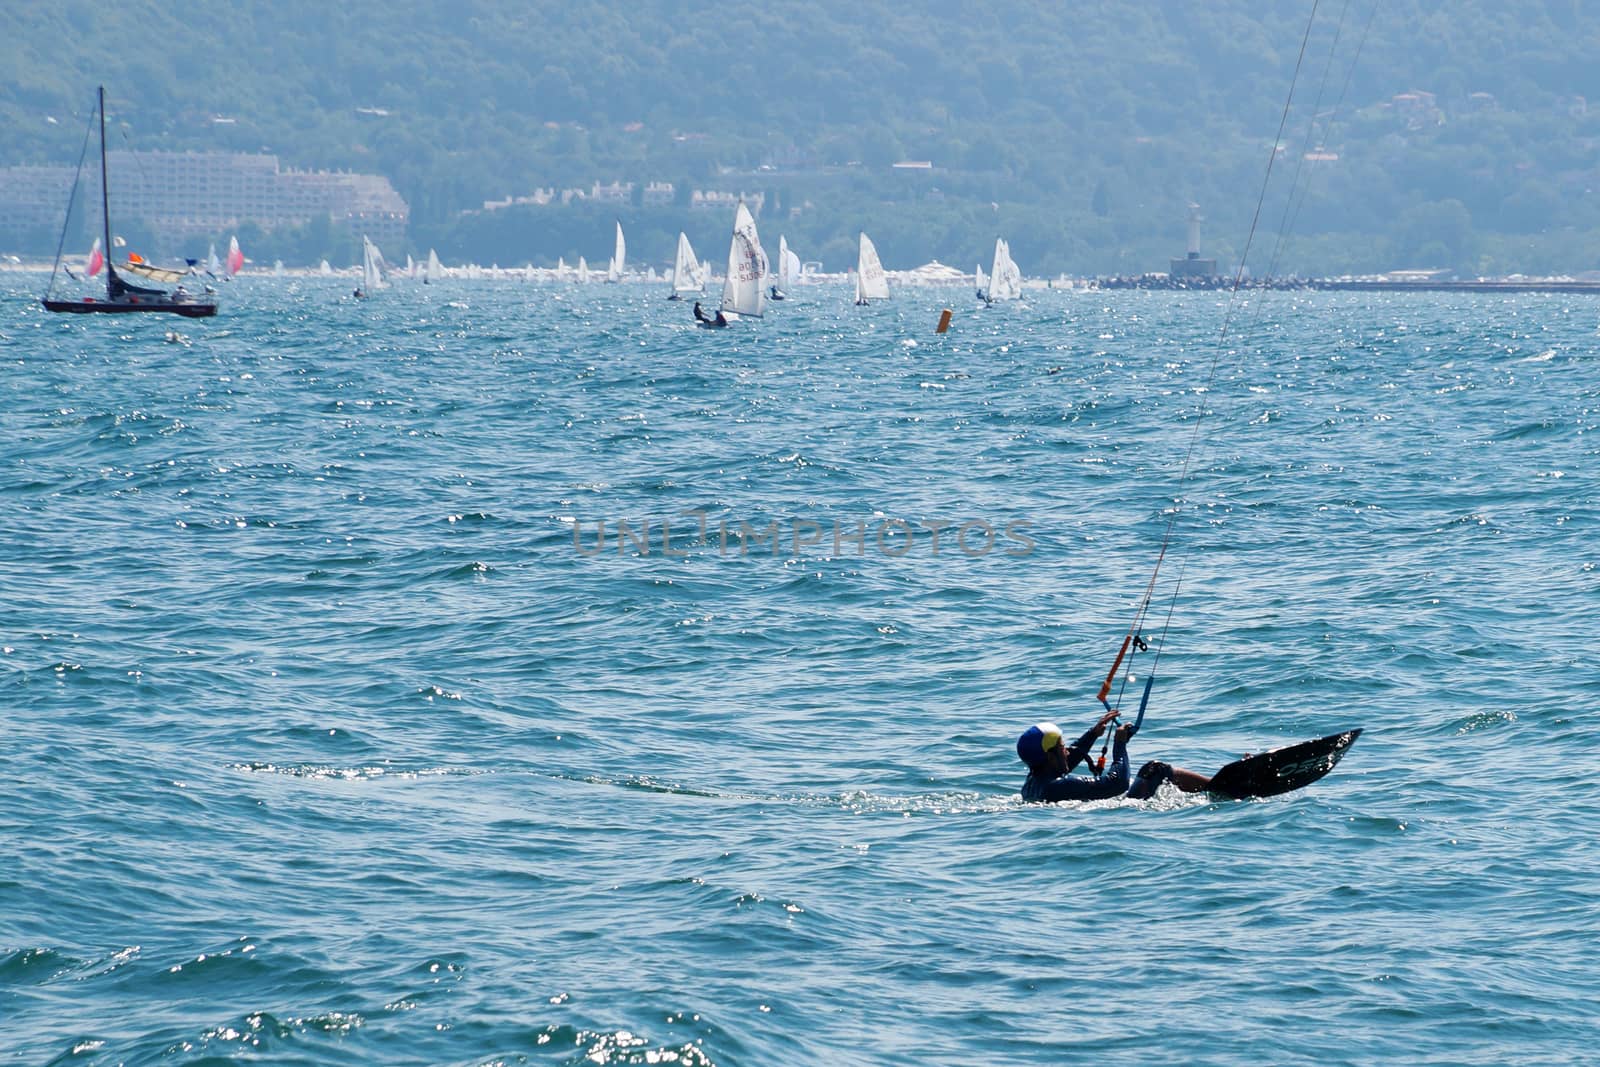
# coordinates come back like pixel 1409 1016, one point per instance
pixel 1267 774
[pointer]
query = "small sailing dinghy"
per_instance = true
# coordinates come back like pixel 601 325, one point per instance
pixel 788 270
pixel 686 276
pixel 1005 279
pixel 871 282
pixel 619 259
pixel 122 296
pixel 742 292
pixel 372 266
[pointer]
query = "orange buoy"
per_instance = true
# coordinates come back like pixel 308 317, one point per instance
pixel 944 320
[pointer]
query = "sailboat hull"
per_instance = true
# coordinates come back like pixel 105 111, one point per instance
pixel 193 309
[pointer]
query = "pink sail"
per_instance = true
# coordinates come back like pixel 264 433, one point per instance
pixel 235 257
pixel 96 260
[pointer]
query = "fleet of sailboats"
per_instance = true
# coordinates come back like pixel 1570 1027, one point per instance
pixel 748 284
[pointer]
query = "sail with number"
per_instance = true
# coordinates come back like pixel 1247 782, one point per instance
pixel 871 282
pixel 686 276
pixel 742 291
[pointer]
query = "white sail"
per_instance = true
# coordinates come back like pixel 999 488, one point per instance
pixel 583 271
pixel 411 267
pixel 871 282
pixel 791 268
pixel 743 290
pixel 686 269
pixel 213 264
pixel 434 270
pixel 324 269
pixel 1005 280
pixel 619 258
pixel 982 280
pixel 784 280
pixel 371 266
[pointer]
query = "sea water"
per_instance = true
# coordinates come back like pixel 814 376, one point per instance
pixel 501 673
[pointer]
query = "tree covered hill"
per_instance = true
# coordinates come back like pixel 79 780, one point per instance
pixel 1462 135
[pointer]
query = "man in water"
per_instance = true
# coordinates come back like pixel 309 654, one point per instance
pixel 1042 747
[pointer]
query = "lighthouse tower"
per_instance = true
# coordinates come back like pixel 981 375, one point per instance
pixel 1191 265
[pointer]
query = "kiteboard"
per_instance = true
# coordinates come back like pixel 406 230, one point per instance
pixel 1267 774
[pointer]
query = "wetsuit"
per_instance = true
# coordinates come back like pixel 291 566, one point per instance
pixel 1112 783
pixel 1149 779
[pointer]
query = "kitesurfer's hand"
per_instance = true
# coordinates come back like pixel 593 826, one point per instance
pixel 1105 720
pixel 1124 732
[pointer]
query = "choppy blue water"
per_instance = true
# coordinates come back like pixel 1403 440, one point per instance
pixel 326 741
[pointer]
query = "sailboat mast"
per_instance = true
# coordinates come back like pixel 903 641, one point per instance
pixel 105 195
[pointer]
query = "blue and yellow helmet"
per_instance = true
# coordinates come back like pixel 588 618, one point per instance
pixel 1036 740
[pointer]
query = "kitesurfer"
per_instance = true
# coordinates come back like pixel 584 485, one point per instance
pixel 1043 748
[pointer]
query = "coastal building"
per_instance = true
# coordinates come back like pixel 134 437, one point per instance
pixel 716 200
pixel 183 195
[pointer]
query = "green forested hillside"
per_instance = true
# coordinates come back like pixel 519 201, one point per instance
pixel 1079 130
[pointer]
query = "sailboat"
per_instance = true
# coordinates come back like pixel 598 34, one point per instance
pixel 871 282
pixel 982 280
pixel 583 271
pixel 433 271
pixel 235 257
pixel 685 270
pixel 780 291
pixel 122 296
pixel 371 268
pixel 747 269
pixel 619 259
pixel 1005 280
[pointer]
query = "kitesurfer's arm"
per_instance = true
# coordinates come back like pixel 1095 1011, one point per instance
pixel 1113 783
pixel 1078 751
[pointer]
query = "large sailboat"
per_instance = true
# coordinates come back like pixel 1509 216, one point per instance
pixel 871 282
pixel 123 296
pixel 742 292
pixel 686 276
